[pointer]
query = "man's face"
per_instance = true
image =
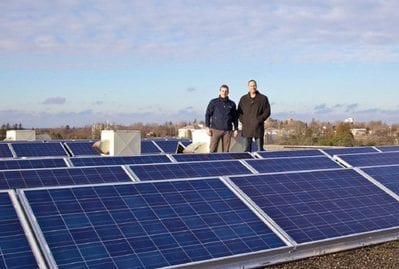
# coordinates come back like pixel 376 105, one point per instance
pixel 252 87
pixel 223 92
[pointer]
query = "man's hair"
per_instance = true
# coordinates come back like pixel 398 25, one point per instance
pixel 254 81
pixel 224 86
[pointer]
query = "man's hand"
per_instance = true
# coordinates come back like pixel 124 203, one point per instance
pixel 235 133
pixel 209 131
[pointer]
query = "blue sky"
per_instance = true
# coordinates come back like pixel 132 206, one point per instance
pixel 80 62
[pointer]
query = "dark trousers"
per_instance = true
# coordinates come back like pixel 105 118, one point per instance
pixel 220 135
pixel 248 143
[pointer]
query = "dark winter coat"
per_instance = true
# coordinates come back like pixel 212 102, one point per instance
pixel 221 114
pixel 252 113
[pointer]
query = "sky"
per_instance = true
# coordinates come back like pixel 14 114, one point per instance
pixel 71 62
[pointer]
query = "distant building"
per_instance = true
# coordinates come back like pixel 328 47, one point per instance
pixel 359 131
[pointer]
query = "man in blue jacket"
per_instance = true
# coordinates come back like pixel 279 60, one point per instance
pixel 221 119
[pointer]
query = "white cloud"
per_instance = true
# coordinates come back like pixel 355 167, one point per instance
pixel 54 101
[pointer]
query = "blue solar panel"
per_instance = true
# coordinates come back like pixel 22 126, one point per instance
pixel 211 156
pixel 189 170
pixel 168 146
pixel 292 164
pixel 148 147
pixel 185 142
pixel 371 159
pixel 290 153
pixel 336 151
pixel 386 175
pixel 312 206
pixel 81 148
pixel 388 148
pixel 15 251
pixel 32 163
pixel 119 160
pixel 38 149
pixel 5 151
pixel 13 179
pixel 147 225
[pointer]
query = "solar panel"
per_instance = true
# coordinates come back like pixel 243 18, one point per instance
pixel 290 153
pixel 146 225
pixel 388 148
pixel 211 156
pixel 189 170
pixel 168 146
pixel 319 205
pixel 119 160
pixel 13 179
pixel 292 164
pixel 15 251
pixel 38 149
pixel 81 148
pixel 349 150
pixel 148 147
pixel 185 142
pixel 32 163
pixel 386 175
pixel 5 151
pixel 371 159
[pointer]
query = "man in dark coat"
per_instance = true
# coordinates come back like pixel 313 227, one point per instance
pixel 253 110
pixel 220 118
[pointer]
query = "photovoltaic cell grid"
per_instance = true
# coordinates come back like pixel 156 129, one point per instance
pixel 319 205
pixel 386 175
pixel 81 148
pixel 291 153
pixel 148 147
pixel 32 163
pixel 168 146
pixel 5 151
pixel 147 225
pixel 119 160
pixel 349 150
pixel 38 149
pixel 292 164
pixel 15 251
pixel 388 148
pixel 61 177
pixel 189 170
pixel 211 156
pixel 372 159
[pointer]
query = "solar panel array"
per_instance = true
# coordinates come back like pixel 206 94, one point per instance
pixel 371 159
pixel 388 148
pixel 305 199
pixel 189 170
pixel 32 163
pixel 312 206
pixel 81 148
pixel 147 225
pixel 14 179
pixel 5 151
pixel 15 251
pixel 211 157
pixel 38 149
pixel 148 147
pixel 292 164
pixel 119 160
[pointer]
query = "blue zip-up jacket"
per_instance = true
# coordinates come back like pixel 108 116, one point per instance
pixel 221 114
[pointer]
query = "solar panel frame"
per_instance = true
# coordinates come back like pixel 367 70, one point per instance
pixel 368 159
pixel 289 153
pixel 35 149
pixel 34 178
pixel 388 148
pixel 173 225
pixel 308 163
pixel 187 170
pixel 192 157
pixel 119 160
pixel 292 206
pixel 11 164
pixel 18 248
